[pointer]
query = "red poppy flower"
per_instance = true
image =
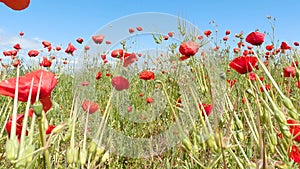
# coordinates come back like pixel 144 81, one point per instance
pixel 120 83
pixel 130 30
pixel 147 75
pixel 129 59
pixel 98 75
pixel 46 62
pixel 16 63
pixel 16 4
pixel 171 34
pixel 242 64
pixel 231 82
pixel 7 53
pixel 79 40
pixel 296 43
pixel 19 126
pixel 252 76
pixel 21 33
pixel 98 39
pixel 255 38
pixel 189 48
pixel 117 53
pixel 139 28
pixel 227 32
pixel 86 48
pixel 33 53
pixel 284 46
pixel 49 129
pixel 108 42
pixel 129 109
pixel 46 44
pixel 89 106
pixel 166 37
pixel 269 47
pixel 17 46
pixel 103 56
pixel 225 38
pixel 207 109
pixel 70 49
pixel 295 64
pixel 294 129
pixel 267 86
pixel 149 100
pixel 294 154
pixel 48 83
pixel 207 33
pixel 289 71
pixel 58 48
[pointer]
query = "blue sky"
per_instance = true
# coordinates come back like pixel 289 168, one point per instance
pixel 63 21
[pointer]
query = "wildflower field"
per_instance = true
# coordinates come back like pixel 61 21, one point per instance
pixel 198 99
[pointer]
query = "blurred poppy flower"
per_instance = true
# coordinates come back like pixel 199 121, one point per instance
pixel 296 43
pixel 33 53
pixel 207 33
pixel 130 30
pixel 117 53
pixel 79 40
pixel 120 83
pixel 46 62
pixel 17 46
pixel 227 32
pixel 252 76
pixel 89 106
pixel 231 82
pixel 139 28
pixel 289 71
pixel 267 86
pixel 21 33
pixel 242 64
pixel 207 109
pixel 255 38
pixel 46 44
pixel 70 49
pixel 294 129
pixel 294 154
pixel 98 39
pixel 98 75
pixel 284 46
pixel 131 57
pixel 16 63
pixel 16 4
pixel 49 129
pixel 147 75
pixel 295 64
pixel 171 34
pixel 19 126
pixel 57 48
pixel 48 83
pixel 189 48
pixel 270 47
pixel 149 100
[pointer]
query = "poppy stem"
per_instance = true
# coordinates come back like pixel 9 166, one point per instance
pixel 46 159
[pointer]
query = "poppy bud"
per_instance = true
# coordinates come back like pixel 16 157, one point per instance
pixel 58 129
pixel 70 156
pixel 92 147
pixel 37 108
pixel 12 149
pixel 105 156
pixel 187 144
pixel 83 155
